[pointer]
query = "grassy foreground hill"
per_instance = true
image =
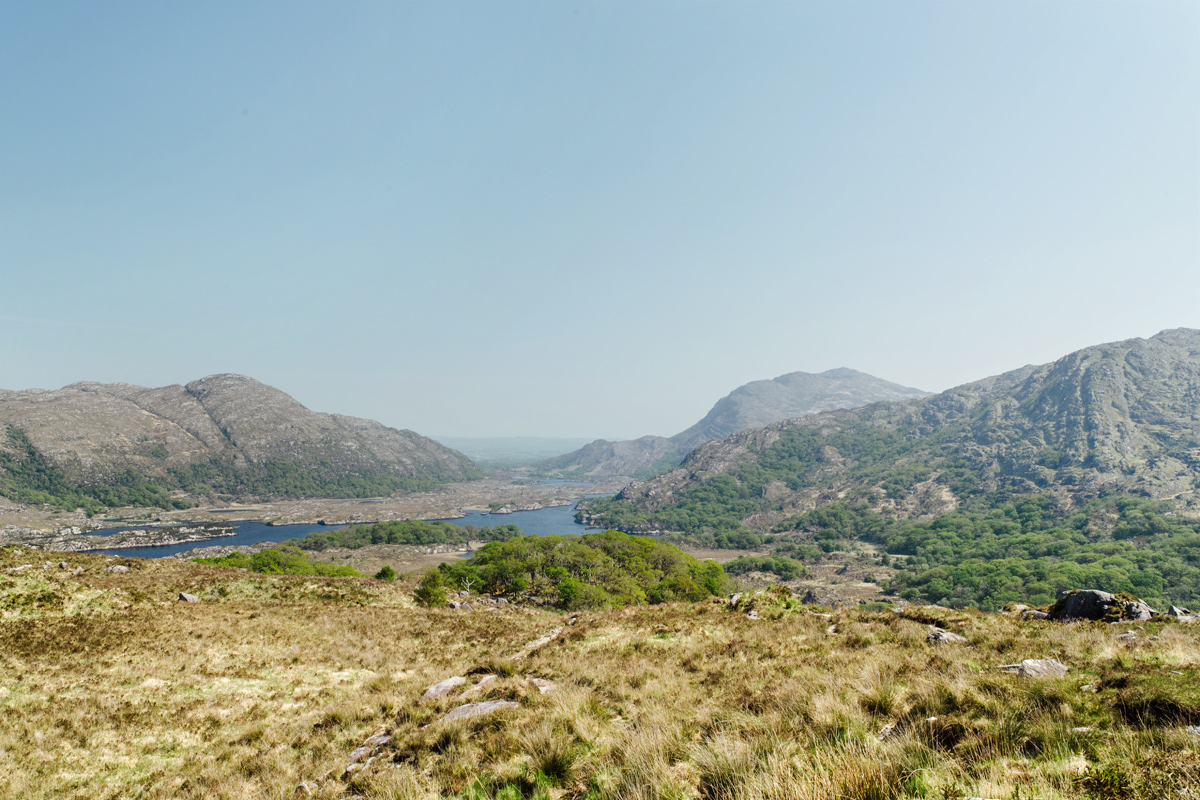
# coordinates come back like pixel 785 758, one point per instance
pixel 92 445
pixel 1091 461
pixel 269 686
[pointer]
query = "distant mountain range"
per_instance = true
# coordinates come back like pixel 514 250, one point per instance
pixel 750 406
pixel 227 434
pixel 1115 418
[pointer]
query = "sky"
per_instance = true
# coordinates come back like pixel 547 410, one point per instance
pixel 587 218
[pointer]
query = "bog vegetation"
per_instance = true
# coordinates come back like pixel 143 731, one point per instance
pixel 112 689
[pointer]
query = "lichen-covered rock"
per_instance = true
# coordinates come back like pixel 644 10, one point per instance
pixel 119 569
pixel 184 597
pixel 442 688
pixel 1037 668
pixel 939 636
pixel 478 709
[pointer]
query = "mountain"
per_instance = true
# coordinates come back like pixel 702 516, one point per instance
pixel 753 405
pixel 1115 418
pixel 1080 473
pixel 224 433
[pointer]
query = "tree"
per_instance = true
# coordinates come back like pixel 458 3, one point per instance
pixel 386 574
pixel 432 591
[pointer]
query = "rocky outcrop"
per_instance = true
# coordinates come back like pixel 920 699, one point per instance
pixel 1093 604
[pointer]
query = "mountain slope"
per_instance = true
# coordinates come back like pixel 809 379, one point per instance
pixel 753 405
pixel 225 433
pixel 1119 417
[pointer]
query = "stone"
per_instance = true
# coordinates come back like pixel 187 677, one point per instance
pixel 440 690
pixel 939 636
pixel 543 685
pixel 465 607
pixel 500 601
pixel 77 571
pixel 1194 730
pixel 478 710
pixel 484 682
pixel 304 790
pixel 1037 668
pixel 1128 637
pixel 733 599
pixel 62 565
pixel 452 604
pixel 184 597
pixel 119 569
pixel 1033 613
pixel 1093 604
pixel 1176 611
pixel 378 740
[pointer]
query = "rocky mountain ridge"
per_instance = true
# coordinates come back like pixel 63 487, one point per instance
pixel 1117 417
pixel 751 405
pixel 94 434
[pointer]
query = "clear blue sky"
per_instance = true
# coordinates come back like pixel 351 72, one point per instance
pixel 587 219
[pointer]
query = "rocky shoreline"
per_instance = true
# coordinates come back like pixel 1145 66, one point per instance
pixel 73 540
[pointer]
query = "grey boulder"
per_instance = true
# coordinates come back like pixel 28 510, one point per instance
pixel 1037 668
pixel 1093 604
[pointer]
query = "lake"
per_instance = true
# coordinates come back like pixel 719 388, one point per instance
pixel 555 521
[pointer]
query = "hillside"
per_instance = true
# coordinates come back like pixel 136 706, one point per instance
pixel 753 405
pixel 1113 421
pixel 229 434
pixel 286 686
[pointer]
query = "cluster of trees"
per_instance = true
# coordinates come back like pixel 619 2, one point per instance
pixel 281 560
pixel 786 568
pixel 997 550
pixel 26 476
pixel 593 571
pixel 404 532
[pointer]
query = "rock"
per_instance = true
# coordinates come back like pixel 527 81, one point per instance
pixel 378 740
pixel 1037 668
pixel 733 599
pixel 304 790
pixel 358 754
pixel 478 709
pixel 465 607
pixel 500 601
pixel 1033 613
pixel 452 604
pixel 543 685
pixel 1176 611
pixel 479 687
pixel 1093 604
pixel 48 565
pixel 753 614
pixel 939 636
pixel 184 597
pixel 120 569
pixel 1128 637
pixel 1194 730
pixel 77 571
pixel 440 690
pixel 62 565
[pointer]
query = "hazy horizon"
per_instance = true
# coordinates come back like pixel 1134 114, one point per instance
pixel 588 219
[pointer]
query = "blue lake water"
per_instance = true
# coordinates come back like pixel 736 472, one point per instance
pixel 556 521
pixel 245 533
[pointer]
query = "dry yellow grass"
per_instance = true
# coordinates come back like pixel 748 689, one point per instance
pixel 112 689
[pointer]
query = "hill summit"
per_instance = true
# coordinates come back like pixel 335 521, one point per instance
pixel 752 405
pixel 118 443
